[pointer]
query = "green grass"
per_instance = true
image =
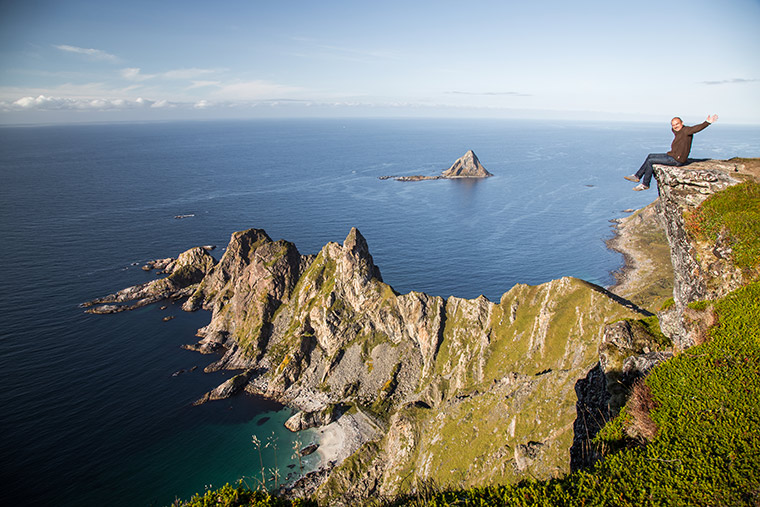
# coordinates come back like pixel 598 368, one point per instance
pixel 229 496
pixel 651 326
pixel 735 213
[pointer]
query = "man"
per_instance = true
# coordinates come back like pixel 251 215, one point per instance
pixel 678 154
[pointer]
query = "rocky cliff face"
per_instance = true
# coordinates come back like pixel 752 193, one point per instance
pixel 184 274
pixel 702 271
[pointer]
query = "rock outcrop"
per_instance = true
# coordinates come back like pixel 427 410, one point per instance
pixel 184 274
pixel 466 166
pixel 702 271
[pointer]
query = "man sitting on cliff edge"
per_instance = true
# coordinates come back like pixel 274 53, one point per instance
pixel 678 154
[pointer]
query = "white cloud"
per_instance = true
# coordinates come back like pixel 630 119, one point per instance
pixel 314 48
pixel 93 54
pixel 254 90
pixel 203 84
pixel 730 81
pixel 134 74
pixel 51 103
pixel 516 94
pixel 186 73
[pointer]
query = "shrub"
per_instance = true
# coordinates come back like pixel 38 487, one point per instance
pixel 640 406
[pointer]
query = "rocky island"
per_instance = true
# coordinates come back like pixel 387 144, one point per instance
pixel 412 389
pixel 466 166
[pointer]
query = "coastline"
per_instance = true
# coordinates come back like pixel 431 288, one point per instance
pixel 646 277
pixel 639 238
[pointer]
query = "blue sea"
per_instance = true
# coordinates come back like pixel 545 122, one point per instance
pixel 91 411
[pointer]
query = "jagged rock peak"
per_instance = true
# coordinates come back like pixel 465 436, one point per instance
pixel 242 243
pixel 467 166
pixel 356 246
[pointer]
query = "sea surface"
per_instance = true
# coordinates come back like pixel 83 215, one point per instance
pixel 92 413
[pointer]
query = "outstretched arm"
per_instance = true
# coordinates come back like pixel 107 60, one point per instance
pixel 712 118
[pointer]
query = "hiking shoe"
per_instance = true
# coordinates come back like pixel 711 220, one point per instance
pixel 640 187
pixel 632 178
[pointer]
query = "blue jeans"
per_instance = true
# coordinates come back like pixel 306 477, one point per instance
pixel 654 158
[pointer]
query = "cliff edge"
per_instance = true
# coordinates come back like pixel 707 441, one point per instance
pixel 704 268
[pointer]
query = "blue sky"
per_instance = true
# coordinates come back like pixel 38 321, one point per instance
pixel 82 60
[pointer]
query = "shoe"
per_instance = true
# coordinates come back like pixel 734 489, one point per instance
pixel 640 187
pixel 631 178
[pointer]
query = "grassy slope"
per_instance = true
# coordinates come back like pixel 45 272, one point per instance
pixel 707 447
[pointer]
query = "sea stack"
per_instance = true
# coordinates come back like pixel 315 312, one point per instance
pixel 467 166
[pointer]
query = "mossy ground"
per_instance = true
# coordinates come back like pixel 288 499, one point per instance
pixel 735 214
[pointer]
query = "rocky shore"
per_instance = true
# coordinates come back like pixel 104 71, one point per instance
pixel 646 277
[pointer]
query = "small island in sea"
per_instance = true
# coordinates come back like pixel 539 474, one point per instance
pixel 466 166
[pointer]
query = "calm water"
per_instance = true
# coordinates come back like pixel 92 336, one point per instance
pixel 91 412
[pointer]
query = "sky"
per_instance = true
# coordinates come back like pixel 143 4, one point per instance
pixel 69 61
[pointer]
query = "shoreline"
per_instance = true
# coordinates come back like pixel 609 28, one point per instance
pixel 646 276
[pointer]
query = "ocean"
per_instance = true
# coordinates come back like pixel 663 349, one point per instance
pixel 92 413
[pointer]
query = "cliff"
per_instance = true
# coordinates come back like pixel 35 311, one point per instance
pixel 466 166
pixel 456 391
pixel 325 334
pixel 704 269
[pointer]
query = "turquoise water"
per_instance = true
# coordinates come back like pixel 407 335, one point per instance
pixel 91 411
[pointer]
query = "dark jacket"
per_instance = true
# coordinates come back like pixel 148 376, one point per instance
pixel 681 145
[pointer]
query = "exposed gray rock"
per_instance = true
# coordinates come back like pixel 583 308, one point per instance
pixel 701 271
pixel 302 420
pixel 466 166
pixel 184 273
pixel 229 388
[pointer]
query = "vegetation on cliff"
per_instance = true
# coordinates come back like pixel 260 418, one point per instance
pixel 705 450
pixel 731 217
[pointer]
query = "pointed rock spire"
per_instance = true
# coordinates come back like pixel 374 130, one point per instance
pixel 467 166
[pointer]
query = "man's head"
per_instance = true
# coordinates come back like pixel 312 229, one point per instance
pixel 676 123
